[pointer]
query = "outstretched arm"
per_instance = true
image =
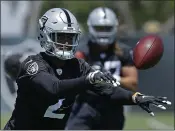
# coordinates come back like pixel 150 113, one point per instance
pixel 125 97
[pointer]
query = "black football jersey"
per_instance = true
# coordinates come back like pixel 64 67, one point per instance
pixel 109 60
pixel 37 105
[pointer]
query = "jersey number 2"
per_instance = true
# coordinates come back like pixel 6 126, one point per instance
pixel 49 112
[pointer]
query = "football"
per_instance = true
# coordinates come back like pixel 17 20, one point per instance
pixel 148 52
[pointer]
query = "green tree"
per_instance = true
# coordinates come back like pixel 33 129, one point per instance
pixel 80 9
pixel 151 10
pixel 141 10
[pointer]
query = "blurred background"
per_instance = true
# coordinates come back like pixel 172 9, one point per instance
pixel 137 18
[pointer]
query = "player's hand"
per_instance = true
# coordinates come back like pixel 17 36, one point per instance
pixel 115 83
pixel 103 89
pixel 99 77
pixel 97 66
pixel 103 83
pixel 145 101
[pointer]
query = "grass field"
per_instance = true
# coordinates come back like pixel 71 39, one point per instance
pixel 135 121
pixel 144 121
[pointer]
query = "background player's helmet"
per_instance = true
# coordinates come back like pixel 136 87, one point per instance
pixel 102 23
pixel 59 33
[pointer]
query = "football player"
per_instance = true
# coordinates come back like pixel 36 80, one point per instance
pixel 102 50
pixel 52 79
pixel 49 81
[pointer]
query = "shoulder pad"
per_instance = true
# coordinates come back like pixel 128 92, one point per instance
pixel 31 67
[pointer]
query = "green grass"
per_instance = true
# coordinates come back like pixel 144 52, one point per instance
pixel 140 120
pixel 4 119
pixel 134 121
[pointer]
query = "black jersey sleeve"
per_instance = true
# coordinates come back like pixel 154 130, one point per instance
pixel 127 55
pixel 122 96
pixel 35 73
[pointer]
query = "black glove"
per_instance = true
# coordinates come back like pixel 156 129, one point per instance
pixel 99 77
pixel 103 83
pixel 98 66
pixel 115 83
pixel 145 101
pixel 103 89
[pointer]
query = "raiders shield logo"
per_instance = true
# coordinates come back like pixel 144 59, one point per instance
pixel 32 68
pixel 59 71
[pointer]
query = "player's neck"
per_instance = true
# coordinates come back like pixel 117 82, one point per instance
pixel 54 61
pixel 58 63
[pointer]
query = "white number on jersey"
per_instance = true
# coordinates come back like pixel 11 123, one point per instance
pixel 113 65
pixel 49 112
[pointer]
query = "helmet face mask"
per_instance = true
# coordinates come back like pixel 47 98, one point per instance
pixel 102 23
pixel 103 35
pixel 63 44
pixel 58 37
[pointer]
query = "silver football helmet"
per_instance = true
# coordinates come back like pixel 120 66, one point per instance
pixel 59 33
pixel 103 24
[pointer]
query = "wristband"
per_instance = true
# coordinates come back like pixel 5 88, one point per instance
pixel 134 96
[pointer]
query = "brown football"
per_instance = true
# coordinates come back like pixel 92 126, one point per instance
pixel 148 52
